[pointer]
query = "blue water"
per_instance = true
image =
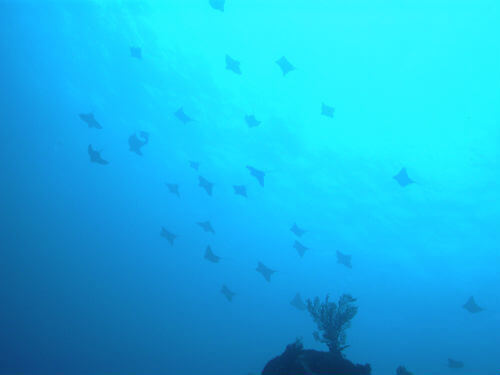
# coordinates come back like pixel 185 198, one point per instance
pixel 88 285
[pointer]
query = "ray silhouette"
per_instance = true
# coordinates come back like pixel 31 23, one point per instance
pixel 285 65
pixel 472 307
pixel 344 259
pixel 136 52
pixel 301 249
pixel 206 226
pixel 240 190
pixel 90 120
pixel 136 144
pixel 299 232
pixel 251 121
pixel 298 303
pixel 169 236
pixel 182 116
pixel 95 156
pixel 174 189
pixel 210 256
pixel 227 293
pixel 403 179
pixel 205 184
pixel 217 4
pixel 265 271
pixel 258 174
pixel 233 65
pixel 327 111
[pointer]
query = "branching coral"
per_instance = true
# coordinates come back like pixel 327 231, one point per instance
pixel 332 320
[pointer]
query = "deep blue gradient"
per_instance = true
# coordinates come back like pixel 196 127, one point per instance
pixel 88 285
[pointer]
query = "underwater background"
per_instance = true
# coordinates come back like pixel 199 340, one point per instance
pixel 89 281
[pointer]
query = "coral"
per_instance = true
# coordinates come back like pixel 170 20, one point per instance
pixel 332 320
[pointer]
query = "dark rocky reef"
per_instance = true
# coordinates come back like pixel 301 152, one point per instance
pixel 332 320
pixel 298 361
pixel 401 370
